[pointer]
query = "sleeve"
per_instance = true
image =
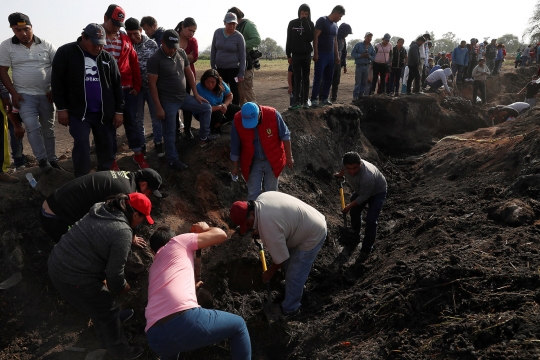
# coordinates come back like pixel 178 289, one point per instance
pixel 213 52
pixel 118 254
pixel 284 132
pixel 275 241
pixel 116 83
pixel 52 52
pixel 135 69
pixel 235 143
pixel 288 50
pixel 372 56
pixel 152 66
pixel 195 48
pixel 354 53
pixel 252 35
pixel 5 58
pixel 445 82
pixel 308 32
pixel 319 25
pixel 475 72
pixel 242 55
pixel 227 90
pixel 58 79
pixel 367 183
pixel 343 55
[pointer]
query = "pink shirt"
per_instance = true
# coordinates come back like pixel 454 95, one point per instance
pixel 383 53
pixel 171 279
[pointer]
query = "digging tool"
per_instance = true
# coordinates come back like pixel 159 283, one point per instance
pixel 342 198
pixel 267 306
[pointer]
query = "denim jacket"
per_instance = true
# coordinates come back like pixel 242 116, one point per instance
pixel 359 49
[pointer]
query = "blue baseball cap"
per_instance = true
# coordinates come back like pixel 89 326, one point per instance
pixel 250 115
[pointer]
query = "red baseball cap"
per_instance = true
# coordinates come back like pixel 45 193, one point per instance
pixel 116 14
pixel 238 215
pixel 142 204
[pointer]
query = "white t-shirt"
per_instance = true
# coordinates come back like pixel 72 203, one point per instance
pixel 284 223
pixel 519 106
pixel 31 67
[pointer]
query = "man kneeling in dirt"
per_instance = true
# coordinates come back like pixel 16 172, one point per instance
pixel 175 322
pixel 69 203
pixel 293 232
pixel 502 113
pixel 369 187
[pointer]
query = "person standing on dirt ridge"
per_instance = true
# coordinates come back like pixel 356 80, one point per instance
pixel 261 141
pixel 325 55
pixel 175 322
pixel 252 38
pixel 344 30
pixel 69 203
pixel 87 91
pixel 292 231
pixel 460 59
pixel 413 62
pixel 168 70
pixel 30 59
pixel 480 73
pixel 145 48
pixel 490 53
pixel 120 47
pixel 369 187
pixel 87 266
pixel 363 54
pixel 298 49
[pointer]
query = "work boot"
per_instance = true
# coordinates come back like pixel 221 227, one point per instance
pixel 56 165
pixel 45 166
pixel 5 177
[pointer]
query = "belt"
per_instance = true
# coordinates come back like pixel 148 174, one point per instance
pixel 168 318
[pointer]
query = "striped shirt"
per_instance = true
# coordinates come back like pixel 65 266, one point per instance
pixel 114 46
pixel 31 67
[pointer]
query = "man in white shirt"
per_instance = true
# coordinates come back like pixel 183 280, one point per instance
pixel 438 78
pixel 30 59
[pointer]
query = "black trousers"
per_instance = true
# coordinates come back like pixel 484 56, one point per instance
pixel 53 226
pixel 379 69
pixel 301 64
pixel 228 76
pixel 220 118
pixel 479 85
pixel 414 74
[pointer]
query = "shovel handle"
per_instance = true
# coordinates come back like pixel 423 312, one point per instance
pixel 261 253
pixel 342 198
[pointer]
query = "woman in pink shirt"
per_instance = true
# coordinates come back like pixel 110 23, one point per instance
pixel 383 58
pixel 186 29
pixel 175 322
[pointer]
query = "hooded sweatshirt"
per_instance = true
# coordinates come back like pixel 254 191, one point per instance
pixel 94 249
pixel 300 34
pixel 146 48
pixel 414 55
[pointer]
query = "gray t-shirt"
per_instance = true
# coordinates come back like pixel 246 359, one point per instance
pixel 368 182
pixel 171 82
pixel 284 223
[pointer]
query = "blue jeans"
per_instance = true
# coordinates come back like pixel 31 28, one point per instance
pixel 157 126
pixel 436 84
pixel 324 71
pixel 524 60
pixel 360 80
pixel 130 122
pixel 375 204
pixel 38 116
pixel 204 112
pixel 197 328
pixel 104 137
pixel 261 169
pixel 297 268
pixel 16 147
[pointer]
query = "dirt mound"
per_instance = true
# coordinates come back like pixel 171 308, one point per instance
pixel 410 125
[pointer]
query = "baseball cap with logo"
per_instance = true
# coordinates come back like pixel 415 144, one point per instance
pixel 171 39
pixel 18 19
pixel 230 18
pixel 142 204
pixel 152 178
pixel 96 33
pixel 250 115
pixel 116 14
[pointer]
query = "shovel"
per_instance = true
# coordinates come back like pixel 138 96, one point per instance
pixel 342 198
pixel 267 306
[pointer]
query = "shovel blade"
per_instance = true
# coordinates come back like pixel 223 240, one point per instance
pixel 270 311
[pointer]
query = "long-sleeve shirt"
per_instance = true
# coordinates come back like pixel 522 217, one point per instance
pixel 359 49
pixel 145 49
pixel 480 72
pixel 367 182
pixel 228 52
pixel 499 54
pixel 283 132
pixel 460 56
pixel 438 75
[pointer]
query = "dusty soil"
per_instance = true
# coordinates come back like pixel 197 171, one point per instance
pixel 456 268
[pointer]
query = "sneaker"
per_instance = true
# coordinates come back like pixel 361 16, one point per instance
pixel 125 315
pixel 326 102
pixel 159 150
pixel 306 105
pixel 291 315
pixel 5 177
pixel 314 103
pixel 57 166
pixel 178 165
pixel 188 134
pixel 295 106
pixel 132 353
pixel 139 160
pixel 208 140
pixel 114 166
pixel 45 166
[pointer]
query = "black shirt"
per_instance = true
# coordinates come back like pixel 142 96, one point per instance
pixel 532 89
pixel 73 200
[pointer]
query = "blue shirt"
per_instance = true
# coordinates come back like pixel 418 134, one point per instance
pixel 209 95
pixel 359 49
pixel 328 34
pixel 91 84
pixel 236 145
pixel 436 67
pixel 499 55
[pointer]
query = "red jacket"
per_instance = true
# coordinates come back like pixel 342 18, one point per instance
pixel 128 64
pixel 269 137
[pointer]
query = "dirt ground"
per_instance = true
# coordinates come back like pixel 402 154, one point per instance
pixel 455 272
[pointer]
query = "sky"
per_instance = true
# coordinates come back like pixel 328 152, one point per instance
pixel 62 21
